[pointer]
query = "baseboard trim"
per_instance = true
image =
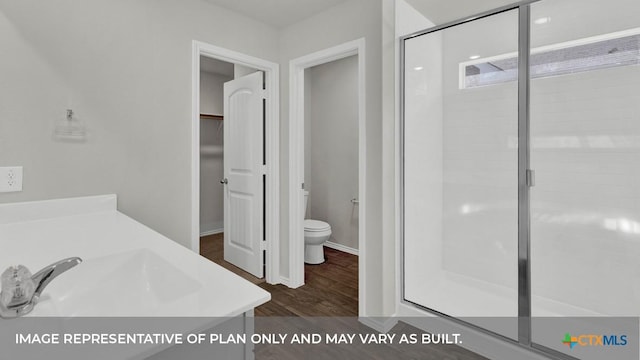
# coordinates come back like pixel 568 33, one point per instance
pixel 382 324
pixel 285 281
pixel 212 232
pixel 341 247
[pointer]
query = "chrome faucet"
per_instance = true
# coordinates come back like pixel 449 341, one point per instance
pixel 21 290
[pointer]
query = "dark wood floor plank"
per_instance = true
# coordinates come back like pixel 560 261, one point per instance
pixel 212 247
pixel 330 290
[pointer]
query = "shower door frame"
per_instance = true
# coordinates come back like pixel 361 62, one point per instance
pixel 525 178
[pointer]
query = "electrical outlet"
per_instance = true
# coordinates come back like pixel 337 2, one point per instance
pixel 10 179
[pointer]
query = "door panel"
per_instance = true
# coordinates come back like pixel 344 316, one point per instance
pixel 244 198
pixel 585 149
pixel 460 172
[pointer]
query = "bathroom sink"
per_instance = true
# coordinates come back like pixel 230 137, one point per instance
pixel 128 270
pixel 132 283
pixel 131 277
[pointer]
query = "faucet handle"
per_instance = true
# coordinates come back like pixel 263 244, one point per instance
pixel 18 287
pixel 21 290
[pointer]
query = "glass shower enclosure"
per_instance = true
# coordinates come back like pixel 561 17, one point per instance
pixel 520 170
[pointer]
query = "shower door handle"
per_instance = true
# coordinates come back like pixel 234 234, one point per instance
pixel 531 178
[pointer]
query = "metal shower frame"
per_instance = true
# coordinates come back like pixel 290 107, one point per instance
pixel 525 176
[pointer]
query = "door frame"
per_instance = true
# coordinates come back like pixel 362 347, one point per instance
pixel 271 148
pixel 296 158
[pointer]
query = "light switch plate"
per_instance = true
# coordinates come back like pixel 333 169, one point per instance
pixel 10 179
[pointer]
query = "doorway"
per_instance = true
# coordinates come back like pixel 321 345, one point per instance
pixel 331 152
pixel 298 180
pixel 217 214
pixel 213 74
pixel 264 99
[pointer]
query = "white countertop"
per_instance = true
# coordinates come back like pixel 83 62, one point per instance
pixel 127 270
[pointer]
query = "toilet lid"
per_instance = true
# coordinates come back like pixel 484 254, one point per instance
pixel 315 225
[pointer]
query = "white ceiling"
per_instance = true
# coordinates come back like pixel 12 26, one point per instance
pixel 442 11
pixel 278 13
pixel 282 13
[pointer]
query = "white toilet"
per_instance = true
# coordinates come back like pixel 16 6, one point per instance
pixel 316 233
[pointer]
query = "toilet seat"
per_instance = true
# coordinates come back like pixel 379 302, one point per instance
pixel 315 225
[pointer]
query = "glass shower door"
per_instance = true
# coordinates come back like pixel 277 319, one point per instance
pixel 460 177
pixel 585 149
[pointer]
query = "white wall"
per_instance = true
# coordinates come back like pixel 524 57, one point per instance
pixel 125 68
pixel 349 21
pixel 211 156
pixel 331 144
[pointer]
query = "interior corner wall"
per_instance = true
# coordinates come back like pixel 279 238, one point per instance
pixel 124 67
pixel 349 21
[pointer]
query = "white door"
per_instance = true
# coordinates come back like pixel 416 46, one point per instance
pixel 243 173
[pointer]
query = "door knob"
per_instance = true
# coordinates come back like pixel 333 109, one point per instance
pixel 224 181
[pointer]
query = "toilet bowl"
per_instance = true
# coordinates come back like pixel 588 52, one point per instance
pixel 316 233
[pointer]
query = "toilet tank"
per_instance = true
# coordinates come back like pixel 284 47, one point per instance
pixel 306 201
